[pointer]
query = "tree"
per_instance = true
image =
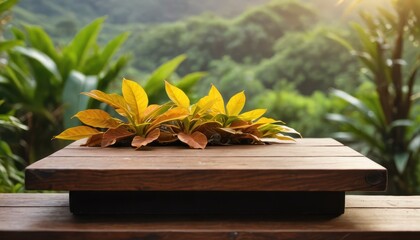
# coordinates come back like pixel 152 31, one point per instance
pixel 309 61
pixel 389 51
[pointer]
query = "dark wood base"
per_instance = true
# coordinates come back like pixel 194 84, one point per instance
pixel 207 202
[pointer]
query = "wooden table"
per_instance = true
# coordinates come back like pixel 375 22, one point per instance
pixel 310 176
pixel 46 216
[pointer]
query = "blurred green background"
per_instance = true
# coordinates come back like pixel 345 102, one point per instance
pixel 328 68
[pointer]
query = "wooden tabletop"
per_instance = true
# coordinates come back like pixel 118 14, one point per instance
pixel 307 165
pixel 46 216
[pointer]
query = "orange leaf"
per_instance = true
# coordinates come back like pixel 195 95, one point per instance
pixel 94 140
pixel 239 124
pixel 76 133
pixel 111 136
pixel 194 140
pixel 140 141
pixel 170 115
pixel 167 137
pixel 97 118
pixel 209 128
pixel 149 112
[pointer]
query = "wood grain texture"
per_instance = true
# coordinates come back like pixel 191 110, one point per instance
pixel 364 218
pixel 34 200
pixel 308 165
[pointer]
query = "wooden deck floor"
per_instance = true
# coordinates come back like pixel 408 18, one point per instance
pixel 46 216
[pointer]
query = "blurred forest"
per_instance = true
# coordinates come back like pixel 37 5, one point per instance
pixel 287 55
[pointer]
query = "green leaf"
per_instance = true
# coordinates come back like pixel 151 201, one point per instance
pixel 41 41
pixel 7 5
pixel 155 82
pixel 41 58
pixel 341 41
pixel 356 129
pixel 84 41
pixel 401 160
pixel 189 81
pixel 72 99
pixel 367 114
pixel 98 62
pixel 365 40
pixel 112 73
pixel 6 45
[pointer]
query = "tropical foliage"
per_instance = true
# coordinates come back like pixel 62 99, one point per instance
pixel 207 121
pixel 11 176
pixel 384 124
pixel 39 77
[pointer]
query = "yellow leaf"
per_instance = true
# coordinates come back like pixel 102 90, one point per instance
pixel 252 115
pixel 194 140
pixel 135 96
pixel 284 137
pixel 114 100
pixel 203 105
pixel 170 115
pixel 235 104
pixel 76 133
pixel 219 104
pixel 177 95
pixel 97 118
pixel 140 141
pixel 265 120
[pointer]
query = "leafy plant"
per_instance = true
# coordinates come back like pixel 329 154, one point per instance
pixel 11 177
pixel 389 51
pixel 207 121
pixel 39 78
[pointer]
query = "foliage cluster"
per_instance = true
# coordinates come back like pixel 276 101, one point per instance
pixel 250 37
pixel 208 121
pixel 11 177
pixel 384 121
pixel 38 79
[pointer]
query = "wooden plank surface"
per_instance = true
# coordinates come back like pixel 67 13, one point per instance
pixel 275 150
pixel 366 217
pixel 307 165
